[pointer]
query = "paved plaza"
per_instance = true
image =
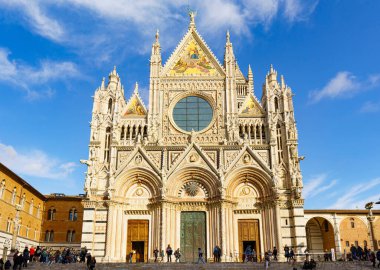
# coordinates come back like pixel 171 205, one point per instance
pixel 219 266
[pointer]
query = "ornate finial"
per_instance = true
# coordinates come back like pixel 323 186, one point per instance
pixel 228 36
pixel 271 68
pixel 192 15
pixel 102 86
pixel 136 91
pixel 157 35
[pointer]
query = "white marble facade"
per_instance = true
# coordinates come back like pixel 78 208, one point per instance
pixel 236 159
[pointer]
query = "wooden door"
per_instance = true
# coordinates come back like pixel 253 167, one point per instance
pixel 193 235
pixel 138 239
pixel 248 230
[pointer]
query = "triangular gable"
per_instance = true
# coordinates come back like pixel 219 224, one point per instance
pixel 193 155
pixel 135 106
pixel 248 157
pixel 140 159
pixel 251 107
pixel 238 74
pixel 192 57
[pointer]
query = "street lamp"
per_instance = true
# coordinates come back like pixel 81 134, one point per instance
pixel 371 218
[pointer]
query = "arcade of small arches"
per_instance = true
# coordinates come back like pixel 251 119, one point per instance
pixel 339 233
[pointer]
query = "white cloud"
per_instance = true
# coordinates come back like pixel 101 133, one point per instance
pixel 35 17
pixel 357 195
pixel 344 84
pixel 35 163
pixel 26 76
pixel 370 107
pixel 317 185
pixel 97 27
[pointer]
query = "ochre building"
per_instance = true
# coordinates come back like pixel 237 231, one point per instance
pixel 29 218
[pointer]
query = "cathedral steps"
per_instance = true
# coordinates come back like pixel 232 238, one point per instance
pixel 190 266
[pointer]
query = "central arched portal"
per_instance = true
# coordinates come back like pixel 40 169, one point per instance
pixel 193 234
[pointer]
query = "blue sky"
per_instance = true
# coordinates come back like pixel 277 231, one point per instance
pixel 53 55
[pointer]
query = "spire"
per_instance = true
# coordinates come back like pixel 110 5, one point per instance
pixel 229 56
pixel 228 37
pixel 157 37
pixel 250 79
pixel 272 75
pixel 102 86
pixel 113 78
pixel 282 81
pixel 136 91
pixel 192 15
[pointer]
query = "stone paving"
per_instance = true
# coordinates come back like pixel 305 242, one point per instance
pixel 210 266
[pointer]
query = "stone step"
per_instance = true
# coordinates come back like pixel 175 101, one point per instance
pixel 208 266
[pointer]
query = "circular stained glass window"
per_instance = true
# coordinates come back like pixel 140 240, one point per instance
pixel 192 113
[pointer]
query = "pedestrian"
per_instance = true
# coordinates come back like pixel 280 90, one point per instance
pixel 248 254
pixel 18 262
pixel 219 253
pixel 326 255
pixel 372 258
pixel 177 255
pixel 162 255
pixel 275 253
pixel 215 253
pixel 200 256
pixel 378 258
pixel 7 265
pixel 1 263
pixel 286 251
pixel 25 257
pixel 92 263
pixel 169 252
pixel 267 260
pixel 155 253
pixel 291 255
pixel 88 258
pixel 31 253
pixel 353 252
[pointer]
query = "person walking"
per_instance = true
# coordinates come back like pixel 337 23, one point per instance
pixel 92 263
pixel 155 253
pixel 372 258
pixel 7 265
pixel 169 252
pixel 177 255
pixel 267 260
pixel 275 251
pixel 286 251
pixel 215 253
pixel 25 257
pixel 378 258
pixel 200 256
pixel 162 255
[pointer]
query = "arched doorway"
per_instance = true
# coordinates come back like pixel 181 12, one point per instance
pixel 320 235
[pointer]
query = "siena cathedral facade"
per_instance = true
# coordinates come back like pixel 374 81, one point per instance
pixel 205 164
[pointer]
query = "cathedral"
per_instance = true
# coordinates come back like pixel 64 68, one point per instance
pixel 204 164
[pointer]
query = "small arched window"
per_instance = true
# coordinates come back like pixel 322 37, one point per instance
pixel 31 206
pixel 13 198
pixel 276 104
pixel 352 221
pixel 9 225
pixel 73 214
pixel 22 202
pixel 107 144
pixel 70 236
pixel 365 243
pixel 110 105
pixel 2 188
pixel 38 210
pixel 122 133
pixel 51 214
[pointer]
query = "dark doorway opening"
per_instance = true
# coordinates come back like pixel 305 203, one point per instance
pixel 253 247
pixel 138 247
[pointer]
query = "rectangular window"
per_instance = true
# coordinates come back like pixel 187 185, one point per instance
pixel 347 243
pixel 356 243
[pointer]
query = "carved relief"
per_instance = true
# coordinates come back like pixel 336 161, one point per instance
pixel 229 157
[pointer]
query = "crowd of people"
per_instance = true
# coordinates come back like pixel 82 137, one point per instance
pixel 17 260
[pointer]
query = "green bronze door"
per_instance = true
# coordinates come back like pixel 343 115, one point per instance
pixel 193 235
